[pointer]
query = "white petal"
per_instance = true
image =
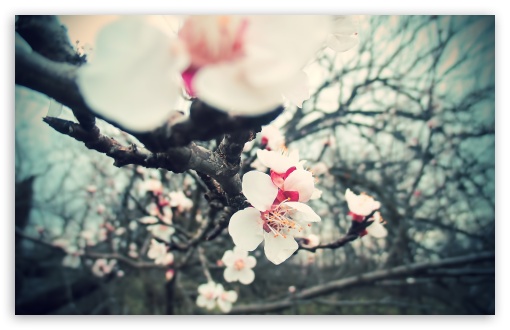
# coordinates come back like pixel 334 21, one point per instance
pixel 201 301
pixel 259 190
pixel 317 193
pixel 250 262
pixel 299 91
pixel 245 227
pixel 210 304
pixel 132 79
pixel 303 212
pixel 228 258
pixel 276 161
pixel 240 253
pixel 361 204
pixel 230 274
pixel 246 276
pixel 230 296
pixel 277 46
pixel 377 230
pixel 223 86
pixel 203 289
pixel 301 181
pixel 278 249
pixel 343 34
pixel 225 306
pixel 341 43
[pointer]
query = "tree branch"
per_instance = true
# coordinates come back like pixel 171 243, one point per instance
pixel 363 279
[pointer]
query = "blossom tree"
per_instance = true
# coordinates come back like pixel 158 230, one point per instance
pixel 262 164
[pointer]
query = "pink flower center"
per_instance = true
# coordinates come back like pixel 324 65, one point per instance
pixel 239 264
pixel 211 40
pixel 279 220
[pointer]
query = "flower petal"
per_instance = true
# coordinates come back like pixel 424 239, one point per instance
pixel 278 249
pixel 277 47
pixel 225 306
pixel 203 289
pixel 240 252
pixel 224 87
pixel 276 161
pixel 377 230
pixel 361 204
pixel 246 276
pixel 343 34
pixel 230 296
pixel 228 258
pixel 303 212
pixel 250 262
pixel 201 301
pixel 245 227
pixel 132 79
pixel 230 274
pixel 259 190
pixel 301 181
pixel 299 91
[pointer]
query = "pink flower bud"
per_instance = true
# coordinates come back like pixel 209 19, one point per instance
pixel 169 275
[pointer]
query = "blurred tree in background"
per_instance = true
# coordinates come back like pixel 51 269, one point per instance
pixel 407 116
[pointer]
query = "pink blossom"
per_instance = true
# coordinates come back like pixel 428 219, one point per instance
pixel 276 223
pixel 244 64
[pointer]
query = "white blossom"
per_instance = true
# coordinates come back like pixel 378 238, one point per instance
pixel 159 252
pixel 275 224
pixel 238 266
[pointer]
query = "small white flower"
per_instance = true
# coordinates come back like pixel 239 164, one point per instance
pixel 158 252
pixel 180 201
pixel 208 293
pixel 238 266
pixel 226 299
pixel 276 224
pixel 361 205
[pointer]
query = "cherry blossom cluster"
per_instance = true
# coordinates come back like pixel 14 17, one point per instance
pixel 244 65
